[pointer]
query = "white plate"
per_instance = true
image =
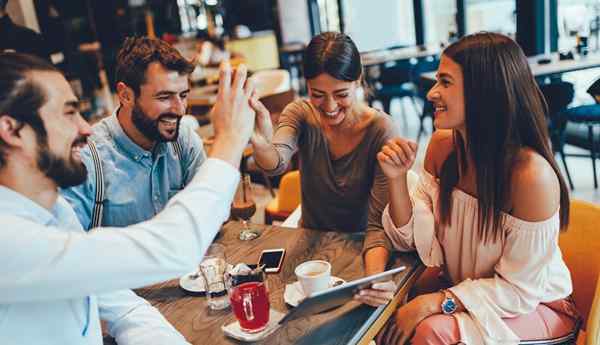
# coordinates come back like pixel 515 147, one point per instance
pixel 233 329
pixel 194 286
pixel 293 293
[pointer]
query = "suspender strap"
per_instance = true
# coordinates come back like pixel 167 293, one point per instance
pixel 99 199
pixel 179 154
pixel 177 148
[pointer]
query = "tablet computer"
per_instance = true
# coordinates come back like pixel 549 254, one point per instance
pixel 336 296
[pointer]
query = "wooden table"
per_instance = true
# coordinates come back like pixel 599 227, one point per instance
pixel 352 323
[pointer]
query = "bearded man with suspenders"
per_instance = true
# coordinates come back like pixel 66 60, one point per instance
pixel 144 153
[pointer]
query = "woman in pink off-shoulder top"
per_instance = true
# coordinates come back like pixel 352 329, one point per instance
pixel 487 210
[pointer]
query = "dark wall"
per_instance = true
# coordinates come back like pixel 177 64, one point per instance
pixel 257 15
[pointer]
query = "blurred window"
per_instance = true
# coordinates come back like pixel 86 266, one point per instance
pixel 491 15
pixel 329 15
pixel 440 21
pixel 379 24
pixel 578 18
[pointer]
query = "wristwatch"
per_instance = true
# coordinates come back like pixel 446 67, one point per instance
pixel 449 303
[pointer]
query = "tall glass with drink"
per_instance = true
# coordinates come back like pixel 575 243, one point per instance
pixel 244 207
pixel 250 301
pixel 213 268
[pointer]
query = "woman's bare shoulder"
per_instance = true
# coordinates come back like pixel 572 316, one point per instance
pixel 535 188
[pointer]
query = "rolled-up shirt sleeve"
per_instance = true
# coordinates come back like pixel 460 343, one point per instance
pixel 60 264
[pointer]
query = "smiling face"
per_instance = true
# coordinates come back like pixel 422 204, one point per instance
pixel 162 102
pixel 447 96
pixel 57 153
pixel 333 98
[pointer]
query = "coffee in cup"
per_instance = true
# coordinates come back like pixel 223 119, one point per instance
pixel 314 276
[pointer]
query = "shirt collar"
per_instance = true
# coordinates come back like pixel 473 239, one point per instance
pixel 16 204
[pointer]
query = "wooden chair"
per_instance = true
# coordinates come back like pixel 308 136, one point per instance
pixel 287 199
pixel 580 246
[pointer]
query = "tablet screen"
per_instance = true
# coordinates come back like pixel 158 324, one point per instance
pixel 335 296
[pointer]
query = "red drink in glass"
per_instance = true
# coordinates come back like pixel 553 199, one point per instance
pixel 250 303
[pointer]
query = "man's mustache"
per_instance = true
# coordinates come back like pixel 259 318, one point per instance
pixel 169 116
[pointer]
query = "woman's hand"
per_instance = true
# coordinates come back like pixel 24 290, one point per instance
pixel 401 327
pixel 397 156
pixel 378 294
pixel 263 130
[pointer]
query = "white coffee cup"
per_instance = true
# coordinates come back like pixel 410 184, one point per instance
pixel 314 276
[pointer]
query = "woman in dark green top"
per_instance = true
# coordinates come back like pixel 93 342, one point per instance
pixel 338 138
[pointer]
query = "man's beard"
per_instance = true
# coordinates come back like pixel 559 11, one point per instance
pixel 65 172
pixel 150 128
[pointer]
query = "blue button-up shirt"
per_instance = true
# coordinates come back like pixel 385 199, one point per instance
pixel 41 319
pixel 138 183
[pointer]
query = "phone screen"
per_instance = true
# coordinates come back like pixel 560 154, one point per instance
pixel 271 259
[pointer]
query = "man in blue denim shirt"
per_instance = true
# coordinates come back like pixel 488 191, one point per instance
pixel 141 167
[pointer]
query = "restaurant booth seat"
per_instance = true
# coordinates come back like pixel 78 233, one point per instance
pixel 580 247
pixel 287 199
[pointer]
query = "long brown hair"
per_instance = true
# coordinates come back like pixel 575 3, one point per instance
pixel 498 84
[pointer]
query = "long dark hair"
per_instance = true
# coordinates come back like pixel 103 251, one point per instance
pixel 333 53
pixel 504 112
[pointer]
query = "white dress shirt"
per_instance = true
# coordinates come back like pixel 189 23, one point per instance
pixel 57 281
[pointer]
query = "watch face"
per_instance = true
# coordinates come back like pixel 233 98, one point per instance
pixel 449 306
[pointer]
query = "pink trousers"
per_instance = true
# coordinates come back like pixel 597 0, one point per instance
pixel 548 321
pixel 543 323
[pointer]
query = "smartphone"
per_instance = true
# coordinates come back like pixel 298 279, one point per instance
pixel 272 259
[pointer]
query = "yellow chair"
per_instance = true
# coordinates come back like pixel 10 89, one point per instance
pixel 580 246
pixel 287 199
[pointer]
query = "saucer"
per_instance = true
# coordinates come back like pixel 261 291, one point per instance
pixel 193 286
pixel 233 330
pixel 293 293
